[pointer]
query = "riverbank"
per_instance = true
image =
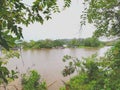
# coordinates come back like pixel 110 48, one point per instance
pixel 61 43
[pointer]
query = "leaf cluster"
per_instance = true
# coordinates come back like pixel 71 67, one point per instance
pixel 13 13
pixel 98 73
pixel 7 75
pixel 105 15
pixel 73 65
pixel 33 81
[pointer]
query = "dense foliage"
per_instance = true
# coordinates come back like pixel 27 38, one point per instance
pixel 95 73
pixel 7 75
pixel 92 42
pixel 89 42
pixel 98 73
pixel 33 81
pixel 13 13
pixel 105 15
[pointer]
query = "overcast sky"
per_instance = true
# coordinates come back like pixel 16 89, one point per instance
pixel 64 25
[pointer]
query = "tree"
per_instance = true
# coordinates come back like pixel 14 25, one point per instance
pixel 92 42
pixel 105 15
pixel 74 43
pixel 16 12
pixel 100 73
pixel 58 43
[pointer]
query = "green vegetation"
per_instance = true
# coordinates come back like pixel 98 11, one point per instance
pixel 7 75
pixel 110 43
pixel 98 73
pixel 71 43
pixel 95 73
pixel 43 44
pixel 104 15
pixel 13 13
pixel 92 42
pixel 33 81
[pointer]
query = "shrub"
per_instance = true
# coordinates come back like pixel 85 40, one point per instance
pixel 96 73
pixel 33 81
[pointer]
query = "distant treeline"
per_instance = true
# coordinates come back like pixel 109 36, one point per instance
pixel 62 43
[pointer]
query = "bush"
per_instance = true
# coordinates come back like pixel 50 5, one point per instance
pixel 32 81
pixel 97 73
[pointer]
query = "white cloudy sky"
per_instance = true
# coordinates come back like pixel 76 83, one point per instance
pixel 63 25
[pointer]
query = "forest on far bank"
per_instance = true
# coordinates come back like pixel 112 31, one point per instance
pixel 63 43
pixel 93 73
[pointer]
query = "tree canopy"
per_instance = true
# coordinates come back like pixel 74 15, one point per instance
pixel 98 73
pixel 13 13
pixel 105 15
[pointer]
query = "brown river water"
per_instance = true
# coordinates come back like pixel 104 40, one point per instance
pixel 48 62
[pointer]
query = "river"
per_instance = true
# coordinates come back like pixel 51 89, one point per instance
pixel 48 62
